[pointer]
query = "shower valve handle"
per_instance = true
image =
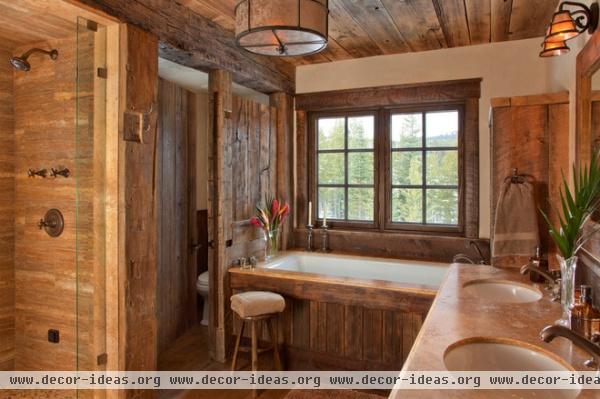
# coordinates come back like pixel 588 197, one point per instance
pixel 60 172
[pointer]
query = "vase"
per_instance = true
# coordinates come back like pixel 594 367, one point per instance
pixel 271 238
pixel 567 287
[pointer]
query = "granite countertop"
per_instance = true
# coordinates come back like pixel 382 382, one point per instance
pixel 457 315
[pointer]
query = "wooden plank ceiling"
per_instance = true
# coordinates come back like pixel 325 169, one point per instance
pixel 363 28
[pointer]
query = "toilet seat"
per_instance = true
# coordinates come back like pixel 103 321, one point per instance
pixel 202 281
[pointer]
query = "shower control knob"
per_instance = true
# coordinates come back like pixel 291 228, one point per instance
pixel 33 172
pixel 64 172
pixel 53 223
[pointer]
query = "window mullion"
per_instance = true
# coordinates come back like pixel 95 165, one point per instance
pixel 346 168
pixel 424 169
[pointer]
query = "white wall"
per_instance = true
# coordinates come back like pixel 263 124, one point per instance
pixel 507 69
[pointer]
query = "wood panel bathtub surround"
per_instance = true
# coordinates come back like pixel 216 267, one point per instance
pixel 530 134
pixel 190 39
pixel 139 72
pixel 381 240
pixel 327 325
pixel 176 275
pixel 7 216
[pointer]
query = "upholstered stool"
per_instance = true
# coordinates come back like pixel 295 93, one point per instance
pixel 254 307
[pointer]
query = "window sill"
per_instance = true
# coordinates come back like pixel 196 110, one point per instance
pixel 403 244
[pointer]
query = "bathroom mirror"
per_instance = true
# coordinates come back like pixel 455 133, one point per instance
pixel 588 100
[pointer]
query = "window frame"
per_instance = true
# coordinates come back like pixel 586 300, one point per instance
pixel 314 166
pixel 424 109
pixel 382 201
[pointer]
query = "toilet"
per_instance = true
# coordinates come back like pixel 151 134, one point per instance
pixel 202 288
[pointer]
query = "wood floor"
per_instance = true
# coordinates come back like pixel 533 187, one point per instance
pixel 190 352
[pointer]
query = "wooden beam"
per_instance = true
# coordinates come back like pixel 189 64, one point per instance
pixel 500 19
pixel 219 214
pixel 561 97
pixel 390 95
pixel 190 39
pixel 139 92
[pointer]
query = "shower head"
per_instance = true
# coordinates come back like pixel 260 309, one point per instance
pixel 21 63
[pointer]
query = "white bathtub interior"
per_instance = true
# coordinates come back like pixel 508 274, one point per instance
pixel 365 268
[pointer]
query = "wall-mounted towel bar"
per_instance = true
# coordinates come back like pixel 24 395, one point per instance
pixel 517 178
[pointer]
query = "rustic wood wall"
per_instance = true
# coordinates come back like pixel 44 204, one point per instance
pixel 242 169
pixel 531 134
pixel 254 172
pixel 139 63
pixel 7 216
pixel 177 272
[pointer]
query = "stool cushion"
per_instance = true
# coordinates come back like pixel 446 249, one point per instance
pixel 257 303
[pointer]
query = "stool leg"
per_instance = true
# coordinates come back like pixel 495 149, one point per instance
pixel 237 346
pixel 254 346
pixel 275 343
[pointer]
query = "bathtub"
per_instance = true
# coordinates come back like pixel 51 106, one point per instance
pixel 418 273
pixel 346 312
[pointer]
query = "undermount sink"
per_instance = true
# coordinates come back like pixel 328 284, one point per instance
pixel 502 291
pixel 497 354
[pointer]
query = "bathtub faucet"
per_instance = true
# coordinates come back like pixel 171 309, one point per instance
pixel 309 238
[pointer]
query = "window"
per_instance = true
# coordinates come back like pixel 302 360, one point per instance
pixel 413 154
pixel 346 167
pixel 424 167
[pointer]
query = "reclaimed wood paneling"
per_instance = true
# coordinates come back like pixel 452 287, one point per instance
pixel 176 275
pixel 45 111
pixel 346 337
pixel 453 20
pixel 531 138
pixel 7 216
pixel 364 28
pixel 140 87
pixel 284 110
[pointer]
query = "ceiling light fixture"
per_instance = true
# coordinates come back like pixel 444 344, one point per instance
pixel 282 27
pixel 566 25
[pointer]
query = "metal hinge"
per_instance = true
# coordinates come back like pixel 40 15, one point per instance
pixel 103 73
pixel 102 359
pixel 93 26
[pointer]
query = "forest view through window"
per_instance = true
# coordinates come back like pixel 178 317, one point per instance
pixel 419 151
pixel 425 167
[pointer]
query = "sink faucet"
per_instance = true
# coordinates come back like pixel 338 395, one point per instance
pixel 588 345
pixel 534 267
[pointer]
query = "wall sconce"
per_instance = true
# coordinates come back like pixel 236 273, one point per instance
pixel 566 25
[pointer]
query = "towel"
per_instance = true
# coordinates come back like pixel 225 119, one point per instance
pixel 516 233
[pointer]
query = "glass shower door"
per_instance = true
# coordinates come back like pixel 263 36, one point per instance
pixel 90 177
